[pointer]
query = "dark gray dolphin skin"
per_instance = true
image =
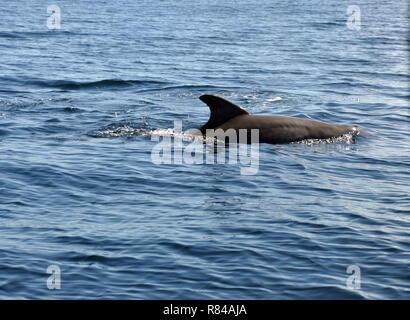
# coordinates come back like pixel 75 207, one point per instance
pixel 272 129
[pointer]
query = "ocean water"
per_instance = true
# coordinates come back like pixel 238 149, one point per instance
pixel 81 108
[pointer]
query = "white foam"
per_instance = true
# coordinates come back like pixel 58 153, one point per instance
pixel 273 99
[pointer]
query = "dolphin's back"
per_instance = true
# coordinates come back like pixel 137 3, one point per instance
pixel 278 129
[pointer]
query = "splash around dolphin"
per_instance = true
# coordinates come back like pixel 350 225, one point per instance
pixel 226 115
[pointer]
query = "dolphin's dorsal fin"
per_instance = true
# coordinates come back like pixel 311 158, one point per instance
pixel 221 111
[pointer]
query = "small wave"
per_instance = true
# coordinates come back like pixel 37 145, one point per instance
pixel 127 131
pixel 10 35
pixel 121 131
pixel 31 34
pixel 107 83
pixel 193 87
pixel 327 25
pixel 72 109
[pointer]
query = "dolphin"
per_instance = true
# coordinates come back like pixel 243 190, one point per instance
pixel 272 129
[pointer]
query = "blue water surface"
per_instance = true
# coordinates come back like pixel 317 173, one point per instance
pixel 79 190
